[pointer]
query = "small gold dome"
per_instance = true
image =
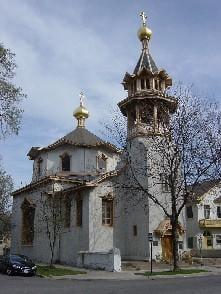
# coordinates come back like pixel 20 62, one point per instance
pixel 144 33
pixel 81 112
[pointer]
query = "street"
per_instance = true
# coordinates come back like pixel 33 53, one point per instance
pixel 36 285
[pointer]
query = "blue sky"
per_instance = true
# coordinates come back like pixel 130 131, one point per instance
pixel 63 47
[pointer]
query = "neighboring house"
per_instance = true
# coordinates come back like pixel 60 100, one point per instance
pixel 88 174
pixel 203 218
pixel 5 244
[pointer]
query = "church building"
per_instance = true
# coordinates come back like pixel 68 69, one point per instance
pixel 81 201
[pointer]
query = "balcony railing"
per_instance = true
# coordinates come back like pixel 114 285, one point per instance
pixel 210 223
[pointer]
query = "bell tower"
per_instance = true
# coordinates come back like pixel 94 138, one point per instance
pixel 147 106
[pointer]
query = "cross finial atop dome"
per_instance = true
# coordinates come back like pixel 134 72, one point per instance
pixel 144 17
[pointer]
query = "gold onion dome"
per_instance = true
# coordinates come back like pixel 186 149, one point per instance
pixel 144 33
pixel 81 112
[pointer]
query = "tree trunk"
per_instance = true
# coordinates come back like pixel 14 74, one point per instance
pixel 174 223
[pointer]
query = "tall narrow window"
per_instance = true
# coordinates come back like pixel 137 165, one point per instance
pixel 206 211
pixel 142 84
pixel 67 216
pixel 135 230
pixel 66 162
pixel 39 166
pixel 79 211
pixel 156 84
pixel 28 215
pixel 147 83
pixel 107 212
pixel 164 183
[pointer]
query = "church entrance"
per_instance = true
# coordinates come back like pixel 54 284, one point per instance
pixel 167 248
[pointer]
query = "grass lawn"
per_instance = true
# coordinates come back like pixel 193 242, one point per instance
pixel 47 271
pixel 178 272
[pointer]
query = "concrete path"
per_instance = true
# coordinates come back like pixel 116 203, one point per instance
pixel 134 275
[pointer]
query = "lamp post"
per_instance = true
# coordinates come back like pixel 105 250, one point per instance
pixel 200 240
pixel 150 238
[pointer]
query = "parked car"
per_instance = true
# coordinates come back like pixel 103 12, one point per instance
pixel 17 264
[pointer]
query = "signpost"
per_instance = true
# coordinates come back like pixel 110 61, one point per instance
pixel 200 240
pixel 150 238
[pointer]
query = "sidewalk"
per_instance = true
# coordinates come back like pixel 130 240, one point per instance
pixel 136 274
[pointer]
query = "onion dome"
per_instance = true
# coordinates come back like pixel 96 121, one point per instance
pixel 81 113
pixel 144 33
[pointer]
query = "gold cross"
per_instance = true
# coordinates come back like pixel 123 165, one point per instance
pixel 144 18
pixel 82 96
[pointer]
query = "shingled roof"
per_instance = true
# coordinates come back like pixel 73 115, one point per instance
pixel 202 188
pixel 146 61
pixel 78 137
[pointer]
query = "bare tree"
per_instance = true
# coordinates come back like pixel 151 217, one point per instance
pixel 52 217
pixel 6 187
pixel 182 153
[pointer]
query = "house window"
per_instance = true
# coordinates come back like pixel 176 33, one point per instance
pixel 206 211
pixel 164 183
pixel 189 212
pixel 67 216
pixel 155 243
pixel 190 242
pixel 102 163
pixel 142 84
pixel 135 230
pixel 79 212
pixel 218 239
pixel 209 238
pixel 28 216
pixel 107 212
pixel 219 211
pixel 65 162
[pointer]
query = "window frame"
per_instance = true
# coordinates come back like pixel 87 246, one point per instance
pixel 107 211
pixel 219 238
pixel 104 158
pixel 206 209
pixel 64 156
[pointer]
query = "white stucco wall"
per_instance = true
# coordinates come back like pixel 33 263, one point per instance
pixel 83 160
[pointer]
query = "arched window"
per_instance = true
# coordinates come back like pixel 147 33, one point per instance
pixel 28 216
pixel 65 162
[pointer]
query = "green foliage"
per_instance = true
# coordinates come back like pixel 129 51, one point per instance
pixel 48 271
pixel 10 95
pixel 177 272
pixel 6 187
